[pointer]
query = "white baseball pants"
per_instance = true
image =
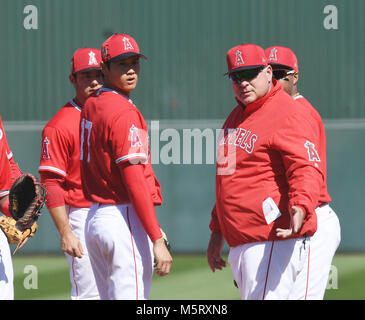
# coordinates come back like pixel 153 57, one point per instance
pixel 120 251
pixel 6 270
pixel 312 281
pixel 81 273
pixel 267 270
pixel 287 269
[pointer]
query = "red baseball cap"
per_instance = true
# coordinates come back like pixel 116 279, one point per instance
pixel 120 47
pixel 85 59
pixel 282 56
pixel 245 56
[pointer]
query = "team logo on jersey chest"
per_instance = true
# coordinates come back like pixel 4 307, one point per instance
pixel 1 134
pixel 240 137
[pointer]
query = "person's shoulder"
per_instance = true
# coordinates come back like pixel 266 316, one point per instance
pixel 233 116
pixel 285 112
pixel 112 100
pixel 287 106
pixel 116 109
pixel 304 102
pixel 65 115
pixel 280 106
pixel 284 100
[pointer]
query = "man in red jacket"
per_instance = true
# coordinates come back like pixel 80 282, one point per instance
pixel 328 235
pixel 265 203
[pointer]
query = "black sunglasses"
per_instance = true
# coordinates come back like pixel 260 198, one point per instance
pixel 282 74
pixel 245 75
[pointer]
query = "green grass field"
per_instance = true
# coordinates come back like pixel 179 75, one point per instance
pixel 47 278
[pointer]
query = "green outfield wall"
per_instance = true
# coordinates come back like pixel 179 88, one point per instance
pixel 186 42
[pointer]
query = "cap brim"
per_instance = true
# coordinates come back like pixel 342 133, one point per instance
pixel 245 68
pixel 88 69
pixel 126 55
pixel 283 66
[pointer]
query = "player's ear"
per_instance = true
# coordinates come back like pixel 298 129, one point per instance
pixel 269 73
pixel 72 78
pixel 104 67
pixel 296 78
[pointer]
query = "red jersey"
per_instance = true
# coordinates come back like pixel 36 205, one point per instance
pixel 267 163
pixel 5 155
pixel 8 152
pixel 324 196
pixel 60 152
pixel 114 118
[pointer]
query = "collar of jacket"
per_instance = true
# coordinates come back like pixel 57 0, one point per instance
pixel 252 107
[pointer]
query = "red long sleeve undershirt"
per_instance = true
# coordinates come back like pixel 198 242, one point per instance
pixel 140 196
pixel 15 171
pixel 53 182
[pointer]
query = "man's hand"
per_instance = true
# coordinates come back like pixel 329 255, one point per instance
pixel 163 259
pixel 296 222
pixel 71 245
pixel 214 250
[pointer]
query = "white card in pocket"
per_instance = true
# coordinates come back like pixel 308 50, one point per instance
pixel 271 210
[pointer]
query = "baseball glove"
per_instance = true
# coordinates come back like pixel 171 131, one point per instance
pixel 26 199
pixel 14 235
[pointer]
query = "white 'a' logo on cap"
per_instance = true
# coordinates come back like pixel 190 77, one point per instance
pixel 239 59
pixel 92 59
pixel 127 44
pixel 273 56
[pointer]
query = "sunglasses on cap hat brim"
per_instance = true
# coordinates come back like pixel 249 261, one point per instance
pixel 127 55
pixel 246 74
pixel 282 74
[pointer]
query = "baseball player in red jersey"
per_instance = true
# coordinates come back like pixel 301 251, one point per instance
pixel 123 235
pixel 60 172
pixel 327 238
pixel 267 182
pixel 9 172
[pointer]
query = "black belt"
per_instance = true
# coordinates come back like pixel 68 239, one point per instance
pixel 323 204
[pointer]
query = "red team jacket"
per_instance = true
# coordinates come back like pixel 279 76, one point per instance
pixel 324 197
pixel 60 152
pixel 269 149
pixel 125 137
